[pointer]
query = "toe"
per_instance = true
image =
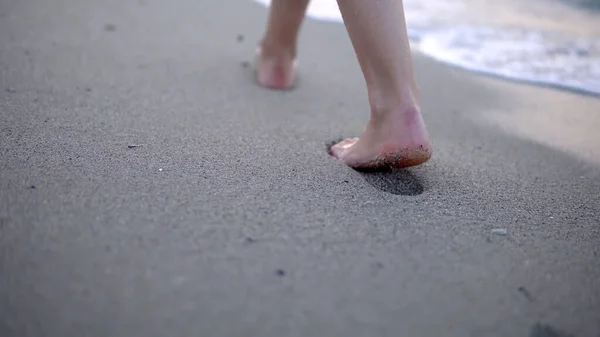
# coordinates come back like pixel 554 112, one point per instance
pixel 347 143
pixel 338 149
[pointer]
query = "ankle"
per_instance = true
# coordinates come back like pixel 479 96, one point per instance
pixel 400 99
pixel 384 109
pixel 277 49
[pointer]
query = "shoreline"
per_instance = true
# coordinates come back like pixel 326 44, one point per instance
pixel 549 57
pixel 508 78
pixel 593 5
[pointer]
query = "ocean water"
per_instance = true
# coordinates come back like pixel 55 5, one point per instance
pixel 545 42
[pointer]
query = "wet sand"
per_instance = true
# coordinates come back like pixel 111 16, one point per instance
pixel 148 188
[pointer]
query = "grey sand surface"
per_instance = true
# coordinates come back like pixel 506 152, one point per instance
pixel 229 219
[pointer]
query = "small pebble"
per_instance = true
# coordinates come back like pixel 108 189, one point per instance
pixel 33 187
pixel 240 38
pixel 11 90
pixel 526 293
pixel 500 231
pixel 280 272
pixel 160 170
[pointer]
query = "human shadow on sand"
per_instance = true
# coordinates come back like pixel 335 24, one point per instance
pixel 542 330
pixel 390 180
pixel 394 181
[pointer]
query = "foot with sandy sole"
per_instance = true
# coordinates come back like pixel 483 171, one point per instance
pixel 275 68
pixel 393 139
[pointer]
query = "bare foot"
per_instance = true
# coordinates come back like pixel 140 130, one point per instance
pixel 275 68
pixel 393 139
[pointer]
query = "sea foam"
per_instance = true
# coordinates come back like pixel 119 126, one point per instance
pixel 526 54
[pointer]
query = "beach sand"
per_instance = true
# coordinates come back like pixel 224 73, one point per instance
pixel 149 188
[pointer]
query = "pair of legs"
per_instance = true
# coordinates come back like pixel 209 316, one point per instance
pixel 396 134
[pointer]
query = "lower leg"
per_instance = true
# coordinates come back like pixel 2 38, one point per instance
pixel 277 51
pixel 396 134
